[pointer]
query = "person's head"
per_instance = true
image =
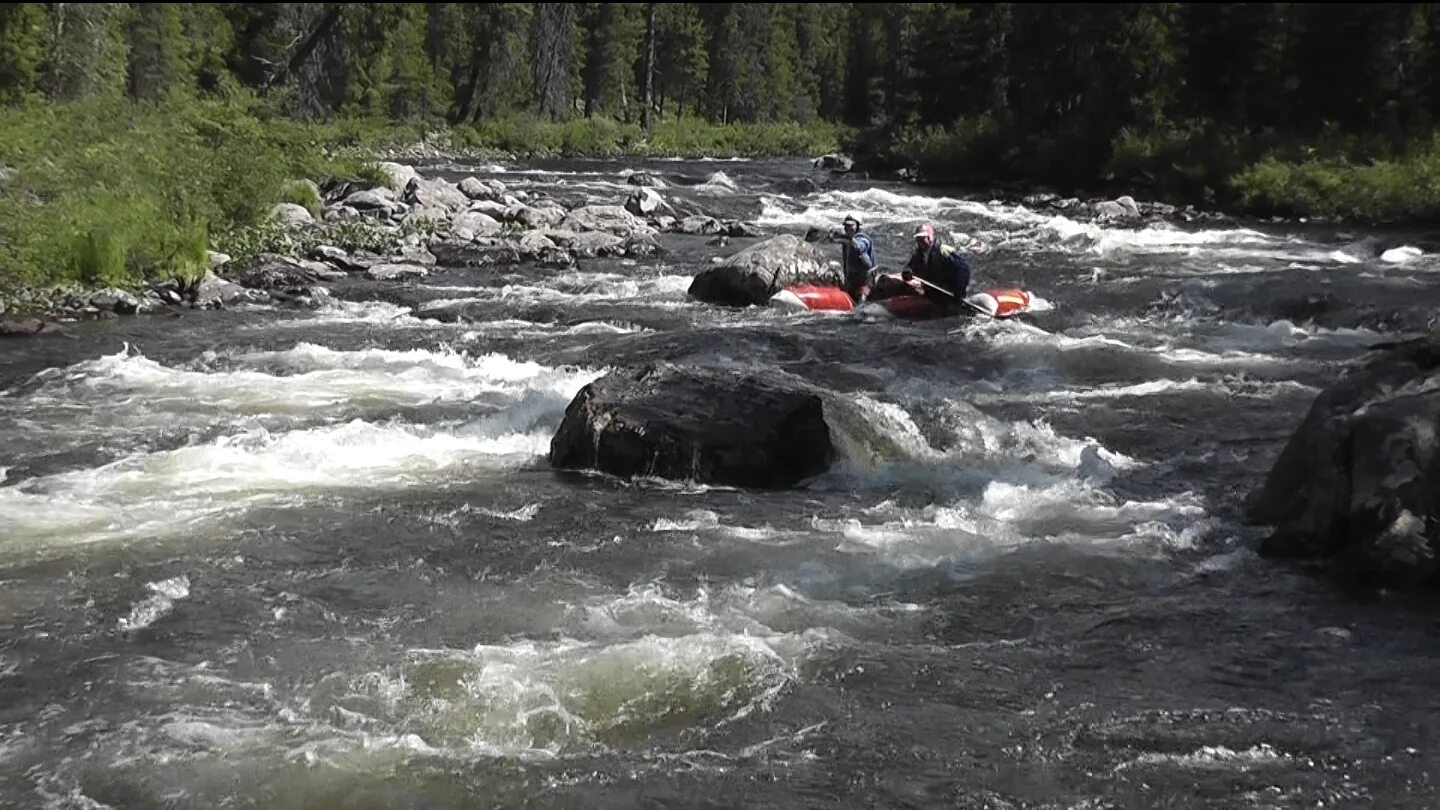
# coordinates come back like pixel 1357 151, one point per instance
pixel 851 225
pixel 925 237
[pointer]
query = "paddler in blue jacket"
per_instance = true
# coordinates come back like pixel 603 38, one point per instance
pixel 857 259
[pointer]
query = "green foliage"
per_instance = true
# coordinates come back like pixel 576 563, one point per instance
pixel 107 191
pixel 22 50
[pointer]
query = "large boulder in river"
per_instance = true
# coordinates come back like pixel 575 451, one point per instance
pixel 710 427
pixel 1358 485
pixel 761 270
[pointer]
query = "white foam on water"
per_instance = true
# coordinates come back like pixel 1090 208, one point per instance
pixel 1401 255
pixel 718 184
pixel 162 600
pixel 190 489
pixel 1213 757
pixel 526 699
pixel 127 390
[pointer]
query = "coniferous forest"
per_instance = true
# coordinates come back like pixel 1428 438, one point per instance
pixel 1267 108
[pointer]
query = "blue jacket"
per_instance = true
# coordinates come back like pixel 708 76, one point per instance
pixel 943 266
pixel 857 262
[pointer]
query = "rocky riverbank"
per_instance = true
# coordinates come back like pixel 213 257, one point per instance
pixel 403 224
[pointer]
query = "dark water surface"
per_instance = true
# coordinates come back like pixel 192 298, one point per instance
pixel 277 558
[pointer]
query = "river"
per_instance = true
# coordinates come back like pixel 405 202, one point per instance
pixel 284 558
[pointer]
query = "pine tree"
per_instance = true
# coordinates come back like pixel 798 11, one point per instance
pixel 87 53
pixel 22 50
pixel 553 58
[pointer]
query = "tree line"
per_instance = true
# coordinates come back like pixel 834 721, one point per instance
pixel 999 91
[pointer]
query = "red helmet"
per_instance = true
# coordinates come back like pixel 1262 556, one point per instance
pixel 926 232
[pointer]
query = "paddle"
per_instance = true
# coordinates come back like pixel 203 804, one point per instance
pixel 967 303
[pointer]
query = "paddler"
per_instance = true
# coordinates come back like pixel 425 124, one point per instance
pixel 857 259
pixel 940 266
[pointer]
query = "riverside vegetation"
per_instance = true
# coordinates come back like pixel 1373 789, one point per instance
pixel 139 138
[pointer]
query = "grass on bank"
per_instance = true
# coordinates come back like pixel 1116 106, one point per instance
pixel 115 193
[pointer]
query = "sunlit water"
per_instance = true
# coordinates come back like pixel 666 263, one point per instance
pixel 278 558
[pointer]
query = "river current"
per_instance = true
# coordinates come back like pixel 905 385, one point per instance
pixel 284 558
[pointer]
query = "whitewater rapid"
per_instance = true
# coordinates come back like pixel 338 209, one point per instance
pixel 284 558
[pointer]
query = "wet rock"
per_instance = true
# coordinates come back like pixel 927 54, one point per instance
pixel 396 272
pixel 605 218
pixel 834 162
pixel 213 292
pixel 710 427
pixel 739 230
pixel 269 270
pixel 25 327
pixel 435 194
pixel 645 180
pixel 476 189
pixel 1116 210
pixel 320 270
pixel 374 200
pixel 547 216
pixel 1357 487
pixel 753 275
pixel 115 300
pixel 699 226
pixel 642 246
pixel 474 254
pixel 645 202
pixel 470 224
pixel 340 213
pixel 491 208
pixel 597 244
pixel 153 301
pixel 397 176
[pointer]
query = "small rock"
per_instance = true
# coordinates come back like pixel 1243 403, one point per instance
pixel 699 226
pixel 397 176
pixel 26 327
pixel 291 215
pixel 645 202
pixel 436 194
pixel 330 253
pixel 213 292
pixel 375 199
pixel 470 224
pixel 413 254
pixel 115 300
pixel 645 179
pixel 395 272
pixel 834 162
pixel 218 260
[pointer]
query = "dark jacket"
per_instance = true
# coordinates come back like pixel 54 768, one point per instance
pixel 943 266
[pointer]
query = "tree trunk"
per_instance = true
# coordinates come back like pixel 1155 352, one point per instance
pixel 298 60
pixel 649 66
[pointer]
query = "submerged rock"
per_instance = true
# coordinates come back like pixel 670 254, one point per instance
pixel 710 427
pixel 1358 484
pixel 753 275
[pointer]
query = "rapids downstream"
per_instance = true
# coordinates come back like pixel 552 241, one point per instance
pixel 278 558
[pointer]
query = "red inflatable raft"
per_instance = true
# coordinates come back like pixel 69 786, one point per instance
pixel 906 304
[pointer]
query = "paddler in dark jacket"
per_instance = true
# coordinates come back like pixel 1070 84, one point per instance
pixel 942 266
pixel 857 259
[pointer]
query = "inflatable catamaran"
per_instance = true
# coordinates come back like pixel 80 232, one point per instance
pixel 899 298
